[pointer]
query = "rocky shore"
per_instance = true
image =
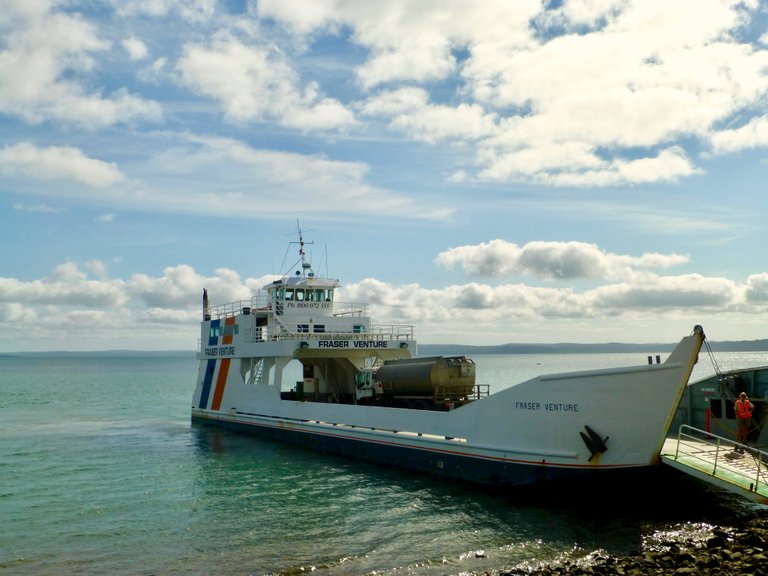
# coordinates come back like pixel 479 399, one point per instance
pixel 731 551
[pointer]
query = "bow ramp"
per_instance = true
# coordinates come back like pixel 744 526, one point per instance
pixel 719 461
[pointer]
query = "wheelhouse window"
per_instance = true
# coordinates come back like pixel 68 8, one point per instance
pixel 323 295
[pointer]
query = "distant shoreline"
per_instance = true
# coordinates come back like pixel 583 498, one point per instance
pixel 103 354
pixel 572 348
pixel 444 349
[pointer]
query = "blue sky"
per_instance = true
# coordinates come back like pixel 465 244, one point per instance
pixel 491 172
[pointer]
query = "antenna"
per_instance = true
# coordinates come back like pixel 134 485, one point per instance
pixel 305 265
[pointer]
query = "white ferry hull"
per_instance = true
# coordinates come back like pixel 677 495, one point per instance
pixel 530 432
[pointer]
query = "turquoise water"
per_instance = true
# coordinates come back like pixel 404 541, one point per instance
pixel 101 473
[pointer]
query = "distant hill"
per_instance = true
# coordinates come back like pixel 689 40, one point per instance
pixel 105 354
pixel 570 348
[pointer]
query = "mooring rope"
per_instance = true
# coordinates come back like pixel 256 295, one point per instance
pixel 716 366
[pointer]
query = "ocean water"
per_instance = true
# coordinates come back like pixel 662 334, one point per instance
pixel 101 473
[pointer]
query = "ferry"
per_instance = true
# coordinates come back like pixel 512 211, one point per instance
pixel 365 393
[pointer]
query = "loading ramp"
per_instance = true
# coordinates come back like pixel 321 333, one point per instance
pixel 719 461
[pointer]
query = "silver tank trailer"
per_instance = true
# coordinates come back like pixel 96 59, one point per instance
pixel 437 377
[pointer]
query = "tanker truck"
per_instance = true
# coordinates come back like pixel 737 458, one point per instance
pixel 429 383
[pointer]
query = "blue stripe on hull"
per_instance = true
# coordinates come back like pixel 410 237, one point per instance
pixel 207 381
pixel 213 340
pixel 458 467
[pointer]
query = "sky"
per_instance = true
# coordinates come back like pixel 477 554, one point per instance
pixel 489 172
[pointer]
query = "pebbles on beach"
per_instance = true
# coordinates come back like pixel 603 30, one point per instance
pixel 731 551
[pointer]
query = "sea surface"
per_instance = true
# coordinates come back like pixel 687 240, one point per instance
pixel 101 473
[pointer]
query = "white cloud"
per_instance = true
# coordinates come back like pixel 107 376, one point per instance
pixel 99 313
pixel 480 313
pixel 256 83
pixel 594 93
pixel 753 134
pixel 58 163
pixel 36 207
pixel 181 285
pixel 587 12
pixel 135 48
pixel 338 187
pixel 551 260
pixel 576 164
pixel 408 42
pixel 66 285
pixel 757 288
pixel 412 114
pixel 189 10
pixel 689 291
pixel 424 56
pixel 15 314
pixel 45 59
pixel 628 87
pixel 189 161
pixel 96 267
pixel 154 72
pixel 668 166
pixel 148 312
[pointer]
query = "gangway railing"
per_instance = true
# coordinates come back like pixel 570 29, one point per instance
pixel 715 455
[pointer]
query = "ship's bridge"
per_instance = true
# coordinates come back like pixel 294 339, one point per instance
pixel 302 296
pixel 302 289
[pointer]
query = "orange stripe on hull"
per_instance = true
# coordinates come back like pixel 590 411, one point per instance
pixel 221 382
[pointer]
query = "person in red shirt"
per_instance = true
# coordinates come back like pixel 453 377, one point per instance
pixel 743 409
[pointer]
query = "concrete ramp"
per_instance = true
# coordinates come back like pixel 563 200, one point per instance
pixel 735 467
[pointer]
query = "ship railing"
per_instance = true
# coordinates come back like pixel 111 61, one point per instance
pixel 715 452
pixel 280 332
pixel 481 391
pixel 262 302
pixel 258 302
pixel 393 331
pixel 350 309
pixel 445 392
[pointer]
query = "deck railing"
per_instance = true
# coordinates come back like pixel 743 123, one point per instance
pixel 261 302
pixel 395 332
pixel 481 391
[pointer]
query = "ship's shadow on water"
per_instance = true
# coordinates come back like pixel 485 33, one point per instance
pixel 357 517
pixel 658 492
